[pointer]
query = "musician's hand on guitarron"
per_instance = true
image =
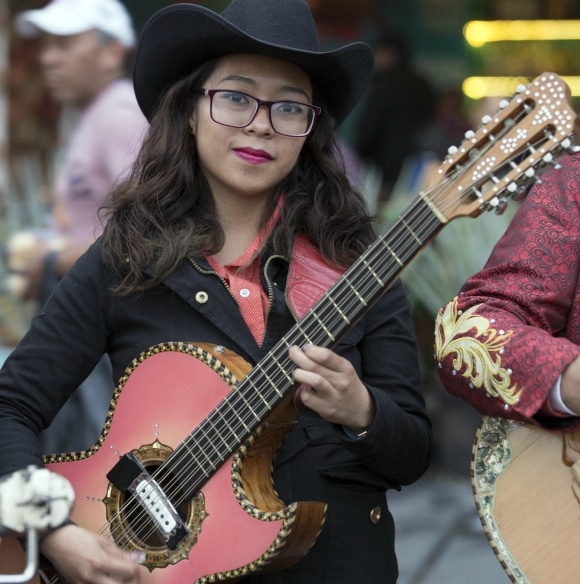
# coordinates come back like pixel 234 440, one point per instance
pixel 83 557
pixel 339 395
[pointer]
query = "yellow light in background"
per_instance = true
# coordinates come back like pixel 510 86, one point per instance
pixel 479 87
pixel 479 32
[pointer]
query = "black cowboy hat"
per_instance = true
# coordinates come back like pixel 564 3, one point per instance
pixel 180 37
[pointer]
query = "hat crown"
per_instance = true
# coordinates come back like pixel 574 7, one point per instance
pixel 287 23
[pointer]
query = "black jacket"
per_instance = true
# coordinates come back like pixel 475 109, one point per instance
pixel 318 461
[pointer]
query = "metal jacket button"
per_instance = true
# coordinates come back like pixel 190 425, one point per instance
pixel 201 297
pixel 375 515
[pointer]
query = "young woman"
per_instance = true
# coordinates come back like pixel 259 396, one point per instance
pixel 235 220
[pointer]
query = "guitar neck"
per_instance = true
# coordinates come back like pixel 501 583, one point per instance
pixel 324 325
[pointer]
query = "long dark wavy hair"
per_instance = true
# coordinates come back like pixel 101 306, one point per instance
pixel 164 211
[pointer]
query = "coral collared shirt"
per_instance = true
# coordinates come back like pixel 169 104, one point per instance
pixel 243 279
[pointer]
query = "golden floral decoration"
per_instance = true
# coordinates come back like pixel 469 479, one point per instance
pixel 478 355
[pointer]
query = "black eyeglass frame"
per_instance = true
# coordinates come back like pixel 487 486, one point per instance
pixel 316 110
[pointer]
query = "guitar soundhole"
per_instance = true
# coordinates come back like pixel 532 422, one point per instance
pixel 131 526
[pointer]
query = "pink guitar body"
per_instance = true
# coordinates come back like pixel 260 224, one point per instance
pixel 155 407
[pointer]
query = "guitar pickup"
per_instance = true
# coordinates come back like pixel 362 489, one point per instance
pixel 131 477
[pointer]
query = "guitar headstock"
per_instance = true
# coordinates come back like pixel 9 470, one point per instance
pixel 505 156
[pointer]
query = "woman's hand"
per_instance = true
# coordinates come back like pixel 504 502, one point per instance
pixel 335 390
pixel 82 557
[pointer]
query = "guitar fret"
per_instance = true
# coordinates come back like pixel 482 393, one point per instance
pixel 372 272
pixel 272 384
pixel 330 335
pixel 288 377
pixel 362 300
pixel 298 326
pixel 388 247
pixel 419 240
pixel 258 392
pixel 338 309
pixel 195 459
pixel 248 406
pixel 216 432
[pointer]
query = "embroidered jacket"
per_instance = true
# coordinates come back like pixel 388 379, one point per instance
pixel 502 343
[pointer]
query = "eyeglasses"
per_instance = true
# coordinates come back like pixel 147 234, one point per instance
pixel 238 110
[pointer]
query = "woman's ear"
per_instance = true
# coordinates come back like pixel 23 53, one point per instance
pixel 192 125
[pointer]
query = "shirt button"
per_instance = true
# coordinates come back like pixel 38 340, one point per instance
pixel 244 292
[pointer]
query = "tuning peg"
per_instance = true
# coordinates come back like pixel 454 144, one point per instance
pixel 486 119
pixel 521 88
pixel 518 192
pixel 503 103
pixel 452 150
pixel 469 134
pixel 547 158
pixel 501 207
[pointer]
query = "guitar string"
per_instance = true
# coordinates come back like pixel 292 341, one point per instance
pixel 313 336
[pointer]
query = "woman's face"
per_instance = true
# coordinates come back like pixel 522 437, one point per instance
pixel 251 161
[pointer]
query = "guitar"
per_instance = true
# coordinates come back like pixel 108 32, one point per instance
pixel 175 494
pixel 526 483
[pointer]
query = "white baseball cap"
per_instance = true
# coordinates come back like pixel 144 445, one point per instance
pixel 68 17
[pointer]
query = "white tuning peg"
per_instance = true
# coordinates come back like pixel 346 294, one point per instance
pixel 452 150
pixel 486 119
pixel 503 103
pixel 547 158
pixel 520 88
pixel 469 134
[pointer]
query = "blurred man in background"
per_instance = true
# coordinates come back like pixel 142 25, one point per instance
pixel 85 49
pixel 398 107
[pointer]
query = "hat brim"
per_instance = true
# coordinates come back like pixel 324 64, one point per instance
pixel 179 38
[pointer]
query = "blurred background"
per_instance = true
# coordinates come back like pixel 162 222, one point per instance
pixel 441 65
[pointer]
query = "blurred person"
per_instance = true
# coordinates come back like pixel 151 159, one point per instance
pixel 448 125
pixel 85 49
pixel 397 107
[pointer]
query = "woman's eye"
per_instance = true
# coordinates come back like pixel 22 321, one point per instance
pixel 289 107
pixel 235 97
